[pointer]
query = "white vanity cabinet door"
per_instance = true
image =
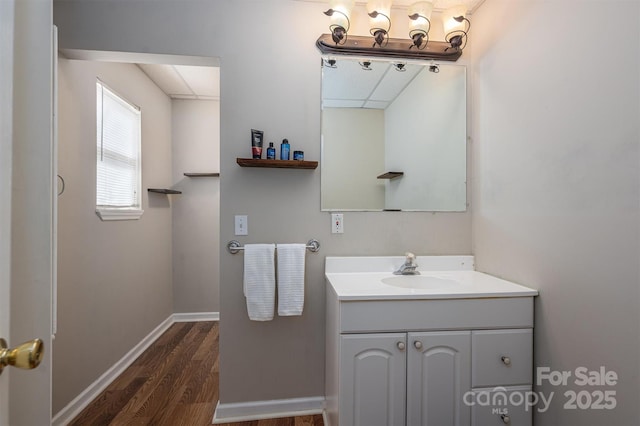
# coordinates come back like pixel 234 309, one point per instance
pixel 372 379
pixel 438 376
pixel 502 357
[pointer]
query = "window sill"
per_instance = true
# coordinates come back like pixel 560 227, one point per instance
pixel 119 214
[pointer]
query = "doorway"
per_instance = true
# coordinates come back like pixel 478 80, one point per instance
pixel 122 282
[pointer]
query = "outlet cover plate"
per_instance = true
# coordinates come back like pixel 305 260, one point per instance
pixel 337 223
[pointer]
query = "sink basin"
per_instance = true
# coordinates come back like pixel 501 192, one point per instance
pixel 419 282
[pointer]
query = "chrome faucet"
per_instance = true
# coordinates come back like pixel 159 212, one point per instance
pixel 409 266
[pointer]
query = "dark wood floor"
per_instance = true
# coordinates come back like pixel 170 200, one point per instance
pixel 174 382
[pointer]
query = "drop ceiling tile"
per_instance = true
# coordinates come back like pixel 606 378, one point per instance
pixel 349 81
pixel 394 82
pixel 203 81
pixel 167 78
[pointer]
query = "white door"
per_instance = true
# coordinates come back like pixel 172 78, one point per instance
pixel 372 379
pixel 26 202
pixel 438 375
pixel 6 73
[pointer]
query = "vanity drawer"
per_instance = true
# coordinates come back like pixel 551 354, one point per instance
pixel 501 357
pixel 504 406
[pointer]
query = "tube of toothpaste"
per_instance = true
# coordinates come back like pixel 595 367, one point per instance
pixel 256 143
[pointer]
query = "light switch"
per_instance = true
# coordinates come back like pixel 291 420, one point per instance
pixel 242 225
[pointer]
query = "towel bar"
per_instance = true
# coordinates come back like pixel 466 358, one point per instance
pixel 234 246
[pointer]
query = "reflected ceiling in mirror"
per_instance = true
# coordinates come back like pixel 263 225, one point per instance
pixel 393 136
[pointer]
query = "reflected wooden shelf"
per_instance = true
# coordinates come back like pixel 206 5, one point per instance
pixel 391 175
pixel 163 191
pixel 277 164
pixel 202 174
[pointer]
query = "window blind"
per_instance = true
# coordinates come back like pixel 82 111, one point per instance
pixel 118 151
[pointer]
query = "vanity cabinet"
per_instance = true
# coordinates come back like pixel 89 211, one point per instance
pixel 406 378
pixel 434 363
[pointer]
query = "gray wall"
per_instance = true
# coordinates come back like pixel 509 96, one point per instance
pixel 196 213
pixel 114 278
pixel 270 81
pixel 556 195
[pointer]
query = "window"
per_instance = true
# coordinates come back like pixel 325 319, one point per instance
pixel 118 157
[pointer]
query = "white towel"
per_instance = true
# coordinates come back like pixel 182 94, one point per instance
pixel 259 281
pixel 291 279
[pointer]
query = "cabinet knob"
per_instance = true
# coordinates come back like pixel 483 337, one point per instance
pixel 417 344
pixel 401 346
pixel 506 361
pixel 505 419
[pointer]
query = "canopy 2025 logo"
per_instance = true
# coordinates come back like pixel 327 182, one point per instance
pixel 595 392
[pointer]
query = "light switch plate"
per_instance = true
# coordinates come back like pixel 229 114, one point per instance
pixel 242 225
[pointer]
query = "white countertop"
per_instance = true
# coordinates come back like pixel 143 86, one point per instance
pixel 365 283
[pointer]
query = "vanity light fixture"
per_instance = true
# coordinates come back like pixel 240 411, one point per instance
pixel 379 11
pixel 379 44
pixel 339 11
pixel 456 26
pixel 419 14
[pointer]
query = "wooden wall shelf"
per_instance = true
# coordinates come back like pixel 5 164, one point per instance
pixel 391 175
pixel 278 164
pixel 164 191
pixel 201 174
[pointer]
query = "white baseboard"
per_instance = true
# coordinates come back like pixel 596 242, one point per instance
pixel 81 401
pixel 196 316
pixel 325 418
pixel 257 410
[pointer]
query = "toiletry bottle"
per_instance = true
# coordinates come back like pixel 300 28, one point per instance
pixel 284 150
pixel 271 152
pixel 256 143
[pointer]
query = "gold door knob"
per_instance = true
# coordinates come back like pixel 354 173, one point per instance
pixel 27 355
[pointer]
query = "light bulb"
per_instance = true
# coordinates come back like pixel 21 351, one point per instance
pixel 448 21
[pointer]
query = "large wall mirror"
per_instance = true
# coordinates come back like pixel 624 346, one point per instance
pixel 393 136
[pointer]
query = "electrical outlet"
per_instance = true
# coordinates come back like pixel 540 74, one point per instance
pixel 242 225
pixel 337 223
